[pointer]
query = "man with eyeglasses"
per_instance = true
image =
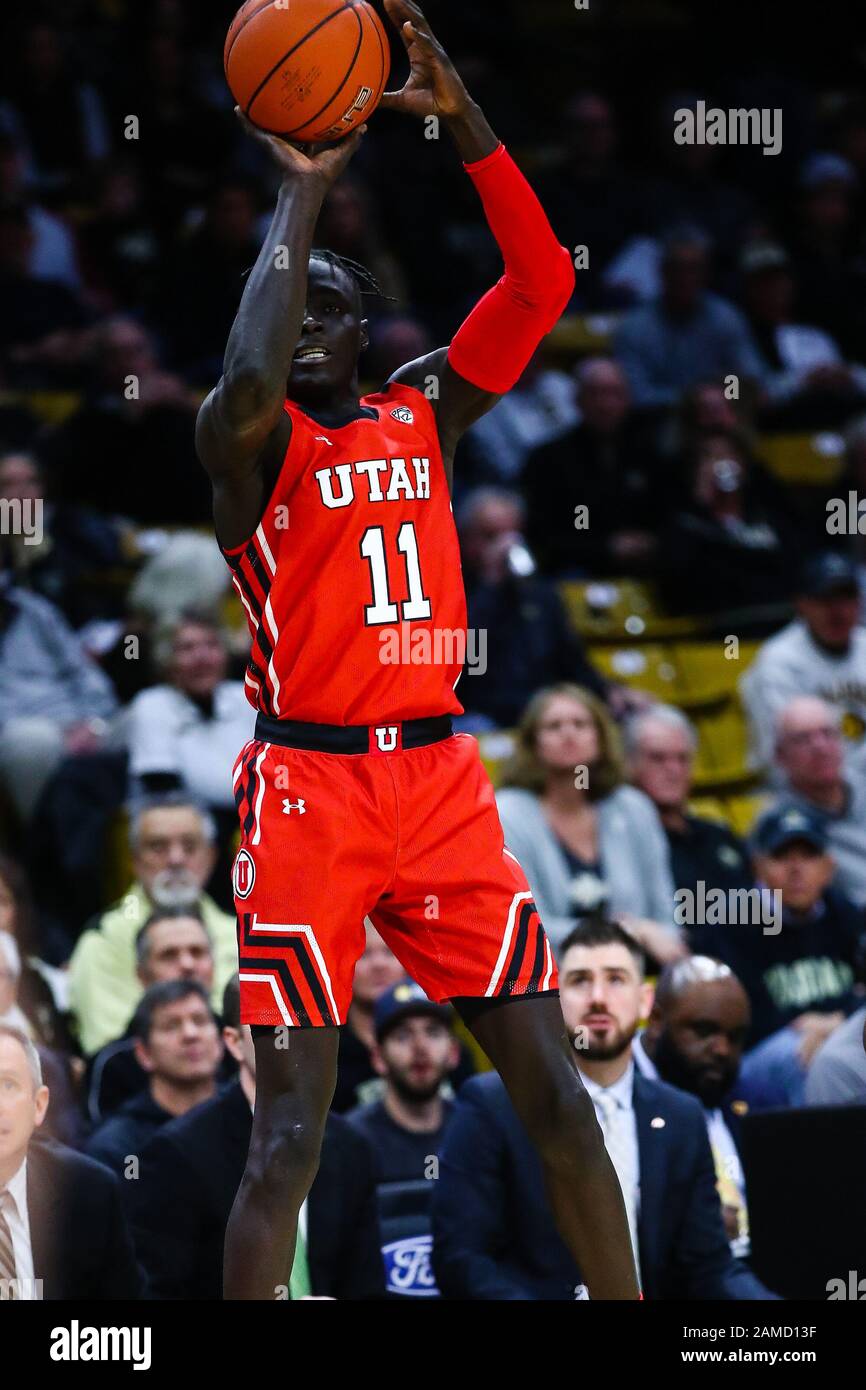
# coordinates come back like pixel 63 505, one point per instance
pixel 821 653
pixel 173 853
pixel 810 757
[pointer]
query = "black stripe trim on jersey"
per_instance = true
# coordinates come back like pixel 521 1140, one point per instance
pixel 538 964
pixel 264 695
pixel 244 584
pixel 259 569
pixel 250 791
pixel 243 781
pixel 298 945
pixel 280 969
pixel 515 964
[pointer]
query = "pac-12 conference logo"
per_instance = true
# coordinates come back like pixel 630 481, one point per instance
pixel 243 874
pixel 403 414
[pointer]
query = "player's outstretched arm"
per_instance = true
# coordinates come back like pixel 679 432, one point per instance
pixel 239 416
pixel 493 346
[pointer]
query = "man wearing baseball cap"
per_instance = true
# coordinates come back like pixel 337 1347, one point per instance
pixel 797 962
pixel 415 1052
pixel 822 652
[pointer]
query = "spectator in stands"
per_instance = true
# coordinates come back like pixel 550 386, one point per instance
pixel 187 732
pixel 184 136
pixel 584 838
pixel 54 701
pixel 52 248
pixel 200 288
pixel 797 963
pixel 172 845
pixel 348 224
pixel 172 945
pixel 837 1075
pixel 806 379
pixel 191 1170
pixel 395 341
pixel 661 745
pixel 75 546
pixel 821 653
pixel 415 1052
pixel 810 763
pixel 62 1211
pixel 823 242
pixel 377 970
pixel 688 334
pixel 132 410
pixel 493 1234
pixel 43 330
pixel 591 199
pixel 59 119
pixel 694 1040
pixel 41 992
pixel 119 246
pixel 604 465
pixel 178 1045
pixel 64 1122
pixel 692 188
pixel 726 548
pixel 538 408
pixel 528 641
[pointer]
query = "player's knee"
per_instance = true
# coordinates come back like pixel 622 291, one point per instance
pixel 282 1161
pixel 560 1118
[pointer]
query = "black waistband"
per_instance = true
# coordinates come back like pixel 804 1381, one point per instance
pixel 353 738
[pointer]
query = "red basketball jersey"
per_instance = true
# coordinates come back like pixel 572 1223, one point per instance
pixel 352 582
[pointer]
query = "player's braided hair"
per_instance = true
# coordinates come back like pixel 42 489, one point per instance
pixel 364 278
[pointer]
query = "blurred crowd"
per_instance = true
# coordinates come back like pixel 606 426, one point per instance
pixel 708 975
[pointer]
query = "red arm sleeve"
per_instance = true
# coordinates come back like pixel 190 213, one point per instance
pixel 494 344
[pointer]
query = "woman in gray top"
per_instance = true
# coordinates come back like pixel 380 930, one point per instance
pixel 585 840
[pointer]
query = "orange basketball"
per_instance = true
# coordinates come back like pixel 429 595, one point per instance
pixel 308 70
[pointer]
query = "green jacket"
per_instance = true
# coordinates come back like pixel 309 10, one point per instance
pixel 103 986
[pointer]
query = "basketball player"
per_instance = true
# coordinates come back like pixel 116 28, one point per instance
pixel 354 796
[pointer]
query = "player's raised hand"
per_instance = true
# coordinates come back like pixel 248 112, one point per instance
pixel 434 86
pixel 320 163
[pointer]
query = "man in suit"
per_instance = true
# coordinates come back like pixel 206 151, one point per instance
pixel 191 1170
pixel 694 1039
pixel 493 1234
pixel 61 1218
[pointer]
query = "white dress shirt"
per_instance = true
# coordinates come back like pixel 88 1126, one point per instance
pixel 18 1221
pixel 620 1132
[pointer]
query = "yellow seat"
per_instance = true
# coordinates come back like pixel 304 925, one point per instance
pixel 612 610
pixel 743 811
pixel 722 747
pixel 646 668
pixel 495 748
pixel 583 334
pixel 816 459
pixel 52 407
pixel 707 673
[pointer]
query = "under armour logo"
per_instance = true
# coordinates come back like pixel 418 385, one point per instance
pixel 324 440
pixel 386 738
pixel 288 806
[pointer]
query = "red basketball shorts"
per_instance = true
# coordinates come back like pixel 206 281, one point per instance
pixel 409 837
